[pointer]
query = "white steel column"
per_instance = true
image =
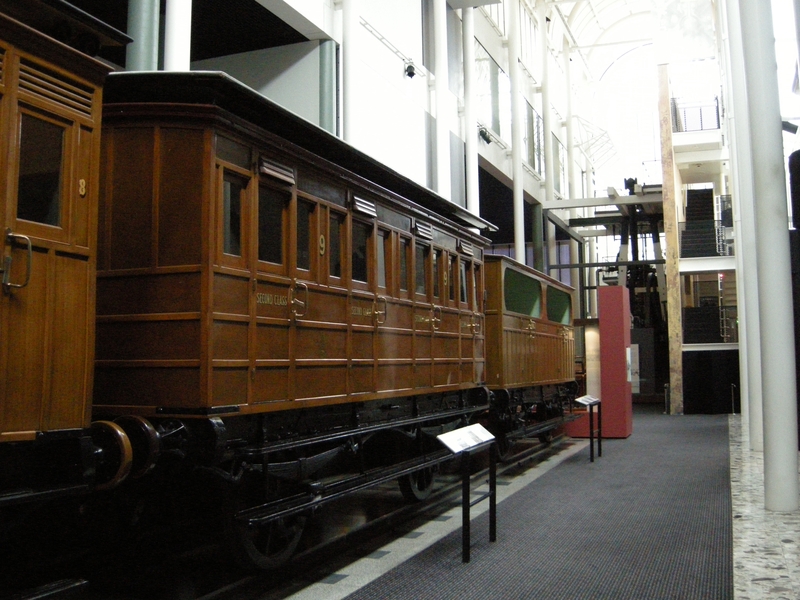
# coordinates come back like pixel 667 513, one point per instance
pixel 470 122
pixel 547 120
pixel 144 17
pixel 178 35
pixel 442 89
pixel 797 23
pixel 516 130
pixel 573 193
pixel 744 227
pixel 779 390
pixel 350 32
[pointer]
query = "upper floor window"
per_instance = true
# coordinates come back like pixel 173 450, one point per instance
pixel 493 90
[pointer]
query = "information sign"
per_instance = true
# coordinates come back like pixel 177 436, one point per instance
pixel 465 438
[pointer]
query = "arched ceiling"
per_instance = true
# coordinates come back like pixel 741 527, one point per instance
pixel 601 31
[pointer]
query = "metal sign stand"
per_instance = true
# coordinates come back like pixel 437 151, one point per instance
pixel 590 402
pixel 467 441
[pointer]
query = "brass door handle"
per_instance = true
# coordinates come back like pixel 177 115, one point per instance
pixel 11 239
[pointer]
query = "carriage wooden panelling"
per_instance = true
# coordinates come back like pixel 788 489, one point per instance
pixel 49 150
pixel 238 273
pixel 528 327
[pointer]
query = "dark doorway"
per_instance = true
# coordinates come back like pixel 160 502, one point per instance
pixel 711 382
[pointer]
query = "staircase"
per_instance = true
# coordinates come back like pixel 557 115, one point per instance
pixel 701 325
pixel 699 235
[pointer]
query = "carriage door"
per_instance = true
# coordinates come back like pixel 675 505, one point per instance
pixel 427 316
pixel 470 297
pixel 363 300
pixel 48 254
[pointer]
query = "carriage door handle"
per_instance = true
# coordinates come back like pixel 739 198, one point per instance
pixel 380 315
pixel 436 317
pixel 475 325
pixel 11 238
pixel 297 304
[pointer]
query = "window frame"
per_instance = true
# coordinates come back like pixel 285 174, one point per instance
pixel 243 259
pixel 278 186
pixel 60 232
pixel 369 226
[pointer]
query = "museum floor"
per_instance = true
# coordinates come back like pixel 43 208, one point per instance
pixel 674 511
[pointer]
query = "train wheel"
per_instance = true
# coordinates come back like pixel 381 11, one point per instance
pixel 417 486
pixel 266 546
pixel 503 445
pixel 115 457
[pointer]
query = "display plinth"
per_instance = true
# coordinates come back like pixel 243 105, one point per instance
pixel 615 385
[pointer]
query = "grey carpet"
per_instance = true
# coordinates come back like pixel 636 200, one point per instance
pixel 651 519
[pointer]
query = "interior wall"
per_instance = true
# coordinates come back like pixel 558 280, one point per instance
pixel 278 74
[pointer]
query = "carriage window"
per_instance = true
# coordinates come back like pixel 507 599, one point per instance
pixel 452 277
pixel 40 161
pixel 522 293
pixel 421 256
pixel 361 237
pixel 271 204
pixel 474 289
pixel 437 266
pixel 463 281
pixel 383 248
pixel 559 305
pixel 335 244
pixel 305 211
pixel 233 188
pixel 478 287
pixel 404 246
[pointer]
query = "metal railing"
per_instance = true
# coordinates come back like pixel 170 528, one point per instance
pixel 694 116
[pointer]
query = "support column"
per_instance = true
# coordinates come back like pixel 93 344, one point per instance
pixel 442 89
pixel 470 121
pixel 350 34
pixel 591 303
pixel 516 130
pixel 547 119
pixel 178 35
pixel 327 86
pixel 671 190
pixel 537 232
pixel 144 18
pixel 778 386
pixel 744 224
pixel 569 125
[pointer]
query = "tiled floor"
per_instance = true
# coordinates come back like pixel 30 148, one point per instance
pixel 766 545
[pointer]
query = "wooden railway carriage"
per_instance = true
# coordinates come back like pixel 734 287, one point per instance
pixel 50 109
pixel 284 302
pixel 530 361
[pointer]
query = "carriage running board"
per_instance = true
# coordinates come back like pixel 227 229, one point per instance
pixel 321 493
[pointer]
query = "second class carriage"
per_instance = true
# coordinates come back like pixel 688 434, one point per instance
pixel 276 314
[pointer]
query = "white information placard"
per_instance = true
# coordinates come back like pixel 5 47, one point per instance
pixel 588 400
pixel 465 438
